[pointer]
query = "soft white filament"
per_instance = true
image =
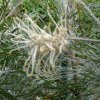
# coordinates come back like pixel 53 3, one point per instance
pixel 42 46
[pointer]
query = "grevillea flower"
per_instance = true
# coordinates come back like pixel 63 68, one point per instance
pixel 42 46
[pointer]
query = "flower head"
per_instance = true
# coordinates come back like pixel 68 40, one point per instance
pixel 41 45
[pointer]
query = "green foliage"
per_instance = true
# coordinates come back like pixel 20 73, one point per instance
pixel 16 85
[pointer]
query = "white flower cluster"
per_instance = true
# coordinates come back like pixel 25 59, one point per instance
pixel 40 44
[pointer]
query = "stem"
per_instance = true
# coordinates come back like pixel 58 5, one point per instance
pixel 83 39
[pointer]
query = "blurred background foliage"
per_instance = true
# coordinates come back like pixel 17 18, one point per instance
pixel 16 85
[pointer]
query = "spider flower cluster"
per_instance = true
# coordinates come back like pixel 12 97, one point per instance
pixel 43 47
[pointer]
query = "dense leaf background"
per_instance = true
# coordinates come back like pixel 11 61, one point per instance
pixel 16 85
